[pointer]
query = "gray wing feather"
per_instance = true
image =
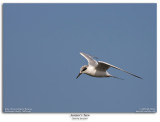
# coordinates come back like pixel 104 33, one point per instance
pixel 104 66
pixel 90 59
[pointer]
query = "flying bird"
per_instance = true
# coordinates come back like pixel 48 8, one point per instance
pixel 99 68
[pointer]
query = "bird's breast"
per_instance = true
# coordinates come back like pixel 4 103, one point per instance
pixel 96 73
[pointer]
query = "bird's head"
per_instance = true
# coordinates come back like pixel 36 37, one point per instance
pixel 82 70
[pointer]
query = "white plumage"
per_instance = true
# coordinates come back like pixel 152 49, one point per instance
pixel 98 68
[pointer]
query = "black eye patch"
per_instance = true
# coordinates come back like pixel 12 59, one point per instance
pixel 84 69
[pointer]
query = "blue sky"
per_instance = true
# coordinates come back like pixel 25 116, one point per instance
pixel 41 46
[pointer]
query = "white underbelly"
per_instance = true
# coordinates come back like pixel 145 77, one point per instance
pixel 93 72
pixel 100 74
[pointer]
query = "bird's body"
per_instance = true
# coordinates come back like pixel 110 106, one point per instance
pixel 98 68
pixel 92 71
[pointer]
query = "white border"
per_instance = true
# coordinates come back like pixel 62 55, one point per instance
pixel 110 117
pixel 79 1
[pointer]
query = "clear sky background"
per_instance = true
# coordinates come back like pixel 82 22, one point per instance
pixel 41 46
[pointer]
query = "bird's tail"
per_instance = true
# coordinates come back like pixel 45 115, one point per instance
pixel 117 77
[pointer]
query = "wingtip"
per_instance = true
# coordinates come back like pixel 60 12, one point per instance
pixel 137 76
pixel 81 53
pixel 117 77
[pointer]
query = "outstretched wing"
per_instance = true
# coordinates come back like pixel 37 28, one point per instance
pixel 103 66
pixel 90 59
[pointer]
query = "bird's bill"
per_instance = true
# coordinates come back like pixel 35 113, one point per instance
pixel 78 75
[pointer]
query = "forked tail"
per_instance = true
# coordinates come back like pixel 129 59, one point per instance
pixel 117 77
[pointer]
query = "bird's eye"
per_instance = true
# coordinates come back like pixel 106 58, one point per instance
pixel 84 69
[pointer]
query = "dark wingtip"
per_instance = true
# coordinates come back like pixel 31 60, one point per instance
pixel 117 78
pixel 137 76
